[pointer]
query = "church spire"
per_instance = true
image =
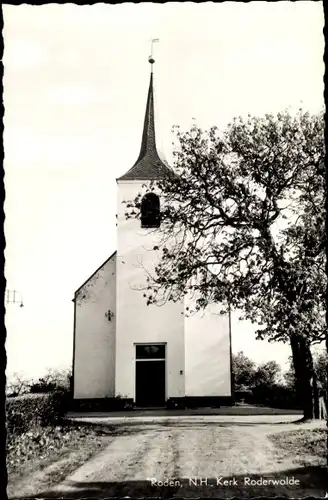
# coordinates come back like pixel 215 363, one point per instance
pixel 148 141
pixel 148 166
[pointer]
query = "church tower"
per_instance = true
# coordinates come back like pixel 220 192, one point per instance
pixel 149 339
pixel 149 355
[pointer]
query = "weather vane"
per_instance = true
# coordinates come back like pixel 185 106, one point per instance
pixel 151 58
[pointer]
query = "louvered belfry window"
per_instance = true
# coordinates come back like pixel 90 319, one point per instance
pixel 150 210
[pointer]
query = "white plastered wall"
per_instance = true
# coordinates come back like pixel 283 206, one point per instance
pixel 94 346
pixel 207 356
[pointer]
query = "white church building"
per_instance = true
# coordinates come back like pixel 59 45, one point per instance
pixel 126 350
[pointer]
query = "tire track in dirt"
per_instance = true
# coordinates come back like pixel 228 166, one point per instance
pixel 127 466
pixel 114 465
pixel 200 450
pixel 157 459
pixel 208 452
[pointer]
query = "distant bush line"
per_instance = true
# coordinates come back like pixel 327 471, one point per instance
pixel 273 396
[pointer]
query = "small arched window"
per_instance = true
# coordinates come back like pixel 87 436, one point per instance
pixel 150 210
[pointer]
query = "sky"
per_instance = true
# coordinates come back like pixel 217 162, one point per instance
pixel 75 87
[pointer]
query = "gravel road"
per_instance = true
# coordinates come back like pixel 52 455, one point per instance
pixel 199 457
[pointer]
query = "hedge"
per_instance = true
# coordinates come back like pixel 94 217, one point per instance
pixel 23 412
pixel 276 396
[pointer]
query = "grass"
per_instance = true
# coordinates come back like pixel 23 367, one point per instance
pixel 44 456
pixel 307 446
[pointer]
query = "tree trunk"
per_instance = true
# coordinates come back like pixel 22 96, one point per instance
pixel 302 356
pixel 304 374
pixel 316 402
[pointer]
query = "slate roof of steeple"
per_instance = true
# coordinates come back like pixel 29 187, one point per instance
pixel 148 166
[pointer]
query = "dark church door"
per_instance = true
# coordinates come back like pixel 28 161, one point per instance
pixel 150 375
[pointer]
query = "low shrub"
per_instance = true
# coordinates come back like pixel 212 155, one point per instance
pixel 29 410
pixel 277 396
pixel 41 388
pixel 44 443
pixel 38 440
pixel 243 394
pixel 52 381
pixel 274 396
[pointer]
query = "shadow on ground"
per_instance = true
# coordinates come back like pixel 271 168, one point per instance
pixel 310 481
pixel 129 428
pixel 238 410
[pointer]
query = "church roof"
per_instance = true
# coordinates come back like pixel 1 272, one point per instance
pixel 148 166
pixel 94 273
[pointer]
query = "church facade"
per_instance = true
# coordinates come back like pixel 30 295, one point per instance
pixel 147 355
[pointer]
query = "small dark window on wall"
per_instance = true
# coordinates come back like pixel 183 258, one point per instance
pixel 150 351
pixel 150 213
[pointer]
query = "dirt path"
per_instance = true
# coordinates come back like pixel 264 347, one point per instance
pixel 143 455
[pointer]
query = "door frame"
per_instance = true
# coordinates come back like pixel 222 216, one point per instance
pixel 135 344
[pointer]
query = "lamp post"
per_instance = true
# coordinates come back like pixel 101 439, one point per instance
pixel 14 297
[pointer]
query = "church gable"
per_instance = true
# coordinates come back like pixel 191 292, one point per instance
pixel 94 334
pixel 86 290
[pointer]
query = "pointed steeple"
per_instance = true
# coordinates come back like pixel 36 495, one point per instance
pixel 148 166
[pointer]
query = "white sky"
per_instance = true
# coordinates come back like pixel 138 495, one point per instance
pixel 75 85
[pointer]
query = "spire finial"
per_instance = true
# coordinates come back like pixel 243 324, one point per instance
pixel 151 57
